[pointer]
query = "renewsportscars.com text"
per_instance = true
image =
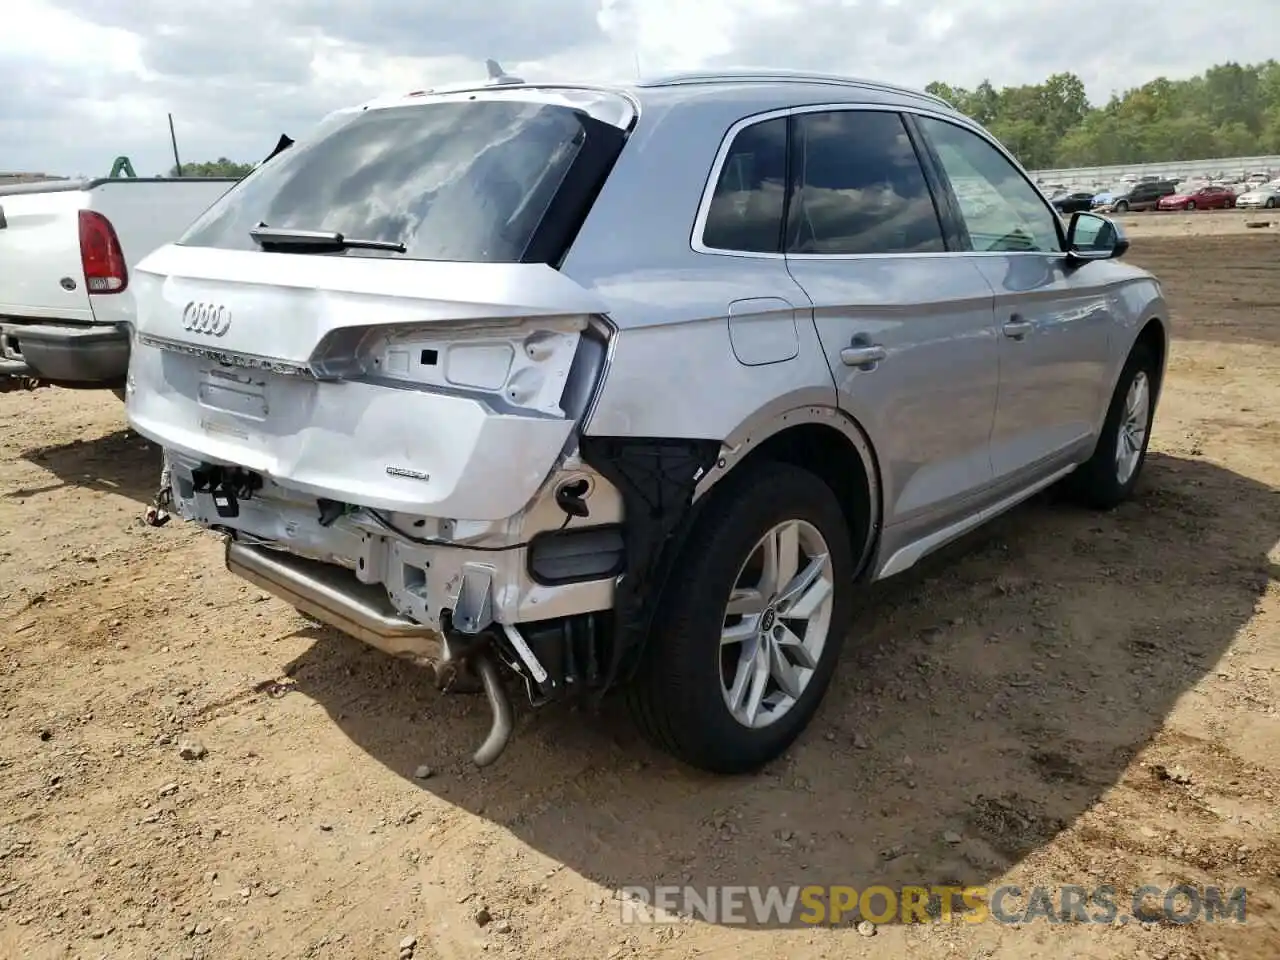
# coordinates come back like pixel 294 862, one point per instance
pixel 1008 904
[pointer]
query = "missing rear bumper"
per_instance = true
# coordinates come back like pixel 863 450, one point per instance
pixel 334 596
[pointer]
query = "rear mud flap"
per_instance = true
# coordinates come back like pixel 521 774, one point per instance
pixel 656 478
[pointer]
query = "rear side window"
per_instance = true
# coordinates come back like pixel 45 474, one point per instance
pixel 860 187
pixel 746 209
pixel 467 180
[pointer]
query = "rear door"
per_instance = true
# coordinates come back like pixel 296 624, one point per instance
pixel 906 326
pixel 1054 319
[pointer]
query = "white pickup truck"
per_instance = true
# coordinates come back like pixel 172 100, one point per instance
pixel 67 248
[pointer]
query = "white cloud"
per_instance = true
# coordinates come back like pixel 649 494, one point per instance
pixel 87 80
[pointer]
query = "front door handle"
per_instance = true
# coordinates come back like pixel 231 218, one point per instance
pixel 1017 328
pixel 863 355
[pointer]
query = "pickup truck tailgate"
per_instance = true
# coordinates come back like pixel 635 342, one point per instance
pixel 41 276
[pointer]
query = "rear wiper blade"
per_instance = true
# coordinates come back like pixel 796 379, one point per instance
pixel 318 240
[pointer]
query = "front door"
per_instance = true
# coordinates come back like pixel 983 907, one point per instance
pixel 1054 319
pixel 906 326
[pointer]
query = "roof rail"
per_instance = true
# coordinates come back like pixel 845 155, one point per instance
pixel 785 76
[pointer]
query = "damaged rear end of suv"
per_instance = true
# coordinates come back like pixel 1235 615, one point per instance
pixel 574 388
pixel 365 369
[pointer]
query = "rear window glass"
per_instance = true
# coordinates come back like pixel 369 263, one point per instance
pixel 455 180
pixel 746 208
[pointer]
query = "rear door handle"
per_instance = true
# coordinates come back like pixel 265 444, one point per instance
pixel 863 355
pixel 1017 328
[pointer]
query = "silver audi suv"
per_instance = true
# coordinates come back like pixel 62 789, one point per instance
pixel 576 387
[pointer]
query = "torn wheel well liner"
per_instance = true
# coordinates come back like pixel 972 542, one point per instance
pixel 657 478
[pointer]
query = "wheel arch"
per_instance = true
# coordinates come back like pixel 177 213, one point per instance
pixel 826 442
pixel 1154 335
pixel 667 483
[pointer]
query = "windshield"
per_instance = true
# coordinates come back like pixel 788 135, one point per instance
pixel 468 179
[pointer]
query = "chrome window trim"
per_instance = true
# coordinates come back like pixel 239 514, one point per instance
pixel 726 144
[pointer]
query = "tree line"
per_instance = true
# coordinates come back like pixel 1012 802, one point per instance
pixel 1230 110
pixel 222 167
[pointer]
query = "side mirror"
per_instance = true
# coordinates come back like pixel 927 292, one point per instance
pixel 1091 236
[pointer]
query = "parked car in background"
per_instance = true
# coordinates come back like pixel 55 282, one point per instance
pixel 1208 197
pixel 67 251
pixel 1266 196
pixel 1072 202
pixel 429 370
pixel 1142 196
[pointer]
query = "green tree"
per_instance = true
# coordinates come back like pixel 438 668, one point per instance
pixel 1230 110
pixel 222 167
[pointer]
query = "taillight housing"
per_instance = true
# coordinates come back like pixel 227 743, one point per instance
pixel 101 255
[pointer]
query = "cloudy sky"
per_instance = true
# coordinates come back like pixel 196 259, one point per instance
pixel 82 81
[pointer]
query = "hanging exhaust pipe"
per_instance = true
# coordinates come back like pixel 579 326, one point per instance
pixel 503 717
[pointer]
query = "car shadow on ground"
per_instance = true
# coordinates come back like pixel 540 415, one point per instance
pixel 985 700
pixel 120 462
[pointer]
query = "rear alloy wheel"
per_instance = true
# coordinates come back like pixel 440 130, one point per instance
pixel 751 625
pixel 1107 478
pixel 776 624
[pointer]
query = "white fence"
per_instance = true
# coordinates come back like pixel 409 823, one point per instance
pixel 1232 168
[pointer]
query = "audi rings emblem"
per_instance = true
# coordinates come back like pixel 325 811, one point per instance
pixel 212 319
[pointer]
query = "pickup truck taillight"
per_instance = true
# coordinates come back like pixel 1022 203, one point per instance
pixel 100 254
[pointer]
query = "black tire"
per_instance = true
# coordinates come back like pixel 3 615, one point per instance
pixel 1271 203
pixel 119 393
pixel 1191 204
pixel 1122 207
pixel 676 696
pixel 1097 482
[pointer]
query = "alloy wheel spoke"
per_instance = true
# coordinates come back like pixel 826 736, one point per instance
pixel 741 680
pixel 784 672
pixel 810 601
pixel 799 585
pixel 745 601
pixel 788 642
pixel 740 632
pixel 758 683
pixel 781 559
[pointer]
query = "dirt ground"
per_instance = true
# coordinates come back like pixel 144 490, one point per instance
pixel 1064 698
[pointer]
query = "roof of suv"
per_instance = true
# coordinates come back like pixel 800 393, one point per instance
pixel 715 85
pixel 704 79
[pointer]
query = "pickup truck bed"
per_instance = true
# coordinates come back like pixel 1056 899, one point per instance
pixel 67 248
